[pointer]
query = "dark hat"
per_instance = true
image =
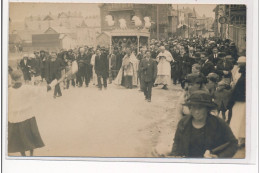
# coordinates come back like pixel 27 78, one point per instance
pixel 201 97
pixel 213 76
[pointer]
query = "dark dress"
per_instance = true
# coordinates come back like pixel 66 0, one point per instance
pixel 24 136
pixel 216 133
pixel 25 67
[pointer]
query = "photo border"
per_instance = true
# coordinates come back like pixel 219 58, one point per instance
pixel 251 92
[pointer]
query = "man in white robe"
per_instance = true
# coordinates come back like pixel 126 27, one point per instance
pixel 163 68
pixel 128 71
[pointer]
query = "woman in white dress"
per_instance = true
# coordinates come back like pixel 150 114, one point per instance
pixel 23 133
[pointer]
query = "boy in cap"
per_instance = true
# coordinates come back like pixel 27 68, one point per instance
pixel 211 85
pixel 222 96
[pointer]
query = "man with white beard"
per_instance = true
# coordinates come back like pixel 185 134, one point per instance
pixel 163 68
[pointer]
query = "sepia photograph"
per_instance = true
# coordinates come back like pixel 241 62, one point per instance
pixel 126 80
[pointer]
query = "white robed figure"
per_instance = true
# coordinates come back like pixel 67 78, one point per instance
pixel 163 68
pixel 127 74
pixel 92 62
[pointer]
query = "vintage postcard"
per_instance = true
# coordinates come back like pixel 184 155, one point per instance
pixel 127 80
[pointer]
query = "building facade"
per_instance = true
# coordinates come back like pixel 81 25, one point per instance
pixel 159 15
pixel 234 27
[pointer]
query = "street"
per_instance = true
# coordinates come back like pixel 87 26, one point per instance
pixel 111 123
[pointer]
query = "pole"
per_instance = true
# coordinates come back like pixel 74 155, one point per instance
pixel 157 22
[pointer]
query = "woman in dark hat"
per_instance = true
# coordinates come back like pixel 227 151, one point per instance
pixel 201 134
pixel 23 133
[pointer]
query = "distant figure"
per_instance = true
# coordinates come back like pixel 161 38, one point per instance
pixel 101 69
pixel 127 75
pixel 164 68
pixel 25 67
pixel 94 77
pixel 148 73
pixel 53 72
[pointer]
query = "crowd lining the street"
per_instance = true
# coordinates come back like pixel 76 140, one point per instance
pixel 210 71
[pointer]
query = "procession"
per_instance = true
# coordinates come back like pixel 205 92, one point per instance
pixel 194 84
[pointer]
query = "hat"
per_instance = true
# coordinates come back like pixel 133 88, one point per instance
pixel 241 60
pixel 213 76
pixel 196 66
pixel 201 97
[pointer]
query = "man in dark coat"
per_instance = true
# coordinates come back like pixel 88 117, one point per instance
pixel 176 65
pixel 43 58
pixel 214 57
pixel 52 72
pixel 25 65
pixel 81 59
pixel 140 57
pixel 148 73
pixel 88 67
pixel 206 65
pixel 101 68
pixel 185 63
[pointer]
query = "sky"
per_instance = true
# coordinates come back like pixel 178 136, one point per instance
pixel 201 9
pixel 18 11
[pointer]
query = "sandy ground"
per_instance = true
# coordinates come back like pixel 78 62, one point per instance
pixel 116 122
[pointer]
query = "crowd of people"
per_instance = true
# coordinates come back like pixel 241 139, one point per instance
pixel 209 70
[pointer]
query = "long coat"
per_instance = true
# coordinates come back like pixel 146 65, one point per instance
pixel 214 60
pixel 101 65
pixel 52 70
pixel 25 67
pixel 148 70
pixel 164 66
pixel 217 133
pixel 186 64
